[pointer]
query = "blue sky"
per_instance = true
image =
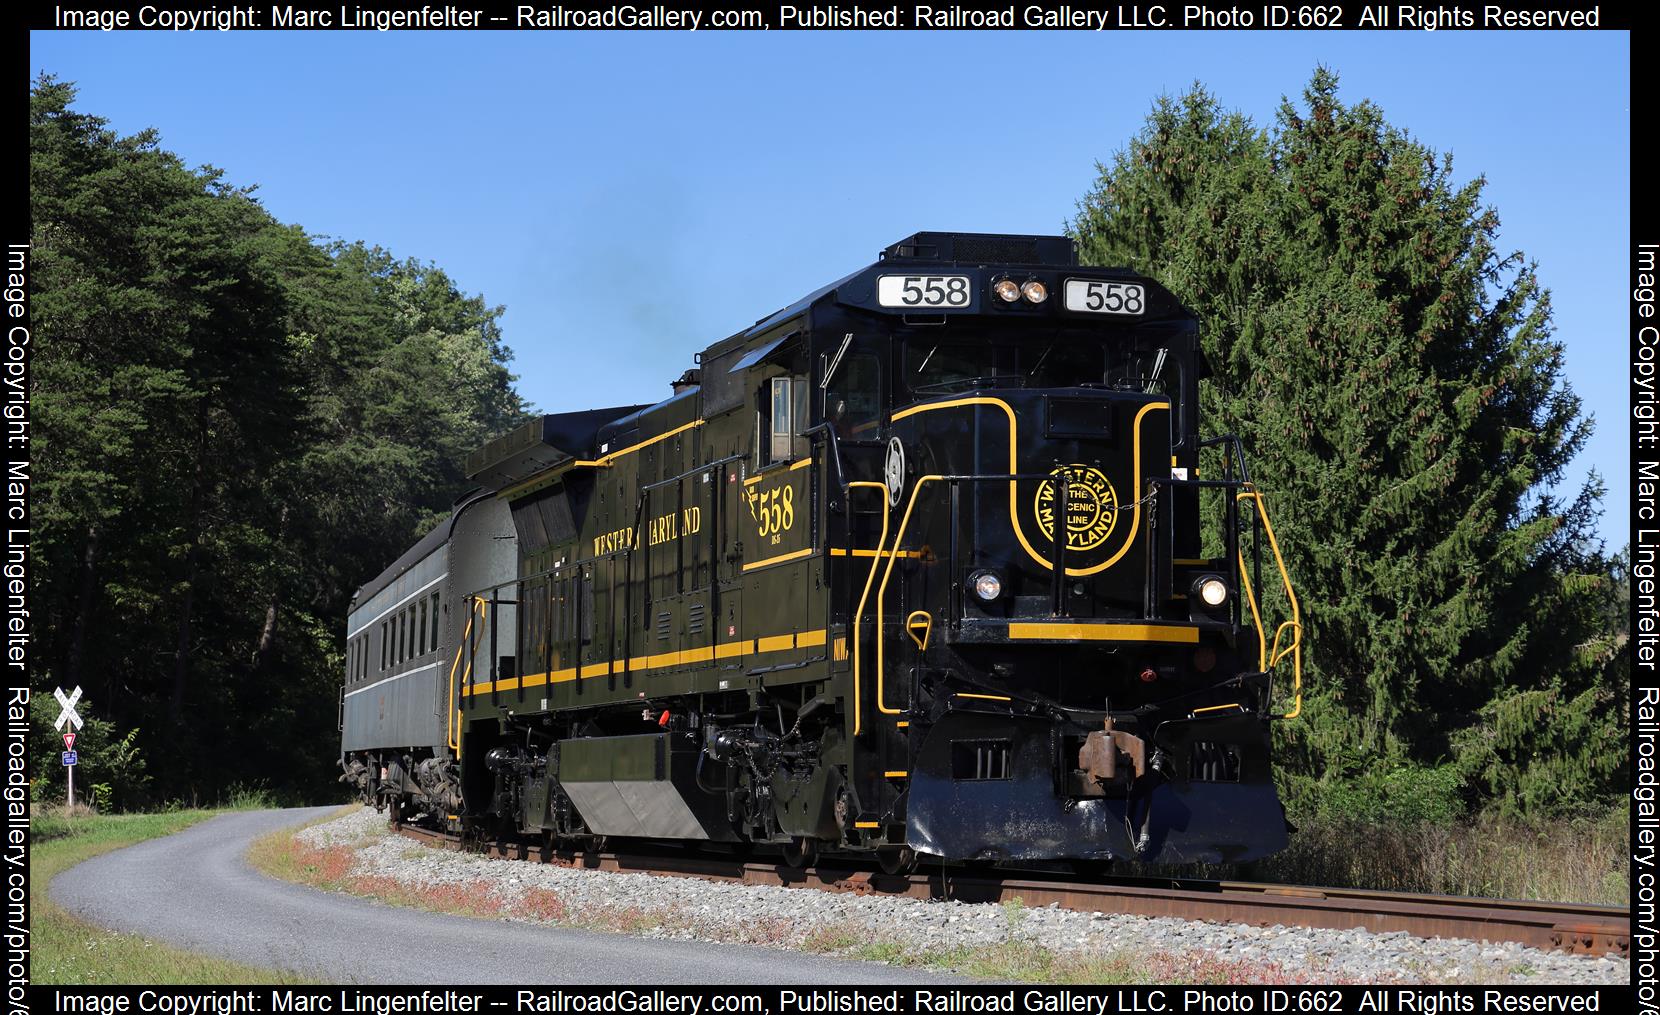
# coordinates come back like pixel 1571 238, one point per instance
pixel 631 197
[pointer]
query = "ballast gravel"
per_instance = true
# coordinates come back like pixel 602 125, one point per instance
pixel 914 930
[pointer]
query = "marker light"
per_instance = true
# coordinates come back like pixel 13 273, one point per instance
pixel 1213 591
pixel 986 585
pixel 1035 291
pixel 1006 291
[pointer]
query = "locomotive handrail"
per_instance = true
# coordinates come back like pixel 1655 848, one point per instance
pixel 1269 657
pixel 1269 653
pixel 1238 446
pixel 882 592
pixel 1256 615
pixel 1237 571
pixel 832 439
pixel 899 537
pixel 859 616
pixel 451 737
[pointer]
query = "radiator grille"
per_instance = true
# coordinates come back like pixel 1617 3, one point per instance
pixel 996 250
pixel 1213 762
pixel 980 760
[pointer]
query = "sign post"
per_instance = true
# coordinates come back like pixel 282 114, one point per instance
pixel 68 718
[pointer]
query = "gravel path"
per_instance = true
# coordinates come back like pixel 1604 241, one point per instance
pixel 660 909
pixel 195 890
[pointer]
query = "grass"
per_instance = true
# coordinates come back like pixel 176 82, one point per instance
pixel 68 950
pixel 1582 860
pixel 1029 962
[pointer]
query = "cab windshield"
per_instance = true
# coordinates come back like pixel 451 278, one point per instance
pixel 938 365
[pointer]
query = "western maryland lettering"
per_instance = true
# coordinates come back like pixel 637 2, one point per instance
pixel 662 529
pixel 669 527
pixel 1091 508
pixel 611 542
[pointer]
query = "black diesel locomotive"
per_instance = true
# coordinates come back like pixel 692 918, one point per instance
pixel 912 566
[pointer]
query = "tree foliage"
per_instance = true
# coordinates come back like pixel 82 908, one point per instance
pixel 1394 374
pixel 234 426
pixel 112 770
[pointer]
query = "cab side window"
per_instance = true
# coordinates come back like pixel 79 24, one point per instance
pixel 784 420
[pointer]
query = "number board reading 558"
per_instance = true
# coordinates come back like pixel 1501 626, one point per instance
pixel 948 291
pixel 1097 297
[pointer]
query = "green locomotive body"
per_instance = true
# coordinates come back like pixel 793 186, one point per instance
pixel 817 599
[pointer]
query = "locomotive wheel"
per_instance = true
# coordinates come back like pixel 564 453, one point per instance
pixel 592 849
pixel 800 852
pixel 896 860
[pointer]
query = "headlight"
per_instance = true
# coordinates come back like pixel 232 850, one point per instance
pixel 1213 591
pixel 1006 291
pixel 986 585
pixel 1034 291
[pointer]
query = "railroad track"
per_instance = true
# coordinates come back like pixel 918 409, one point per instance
pixel 1572 927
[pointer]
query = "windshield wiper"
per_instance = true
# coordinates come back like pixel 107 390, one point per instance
pixel 988 381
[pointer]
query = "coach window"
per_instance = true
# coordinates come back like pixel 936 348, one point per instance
pixel 423 650
pixel 383 644
pixel 435 621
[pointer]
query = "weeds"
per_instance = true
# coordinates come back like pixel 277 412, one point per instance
pixel 469 898
pixel 1574 861
pixel 542 906
pixel 1583 860
pixel 833 938
pixel 249 797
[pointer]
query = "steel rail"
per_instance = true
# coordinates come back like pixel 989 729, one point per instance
pixel 1572 927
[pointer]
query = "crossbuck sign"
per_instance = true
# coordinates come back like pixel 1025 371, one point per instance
pixel 68 715
pixel 67 718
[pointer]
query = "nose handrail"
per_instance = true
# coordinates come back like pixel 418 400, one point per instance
pixel 859 614
pixel 1269 655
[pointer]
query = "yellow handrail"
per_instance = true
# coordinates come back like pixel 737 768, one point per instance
pixel 882 593
pixel 1256 617
pixel 451 737
pixel 858 617
pixel 1269 657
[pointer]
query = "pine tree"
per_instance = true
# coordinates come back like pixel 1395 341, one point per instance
pixel 1395 378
